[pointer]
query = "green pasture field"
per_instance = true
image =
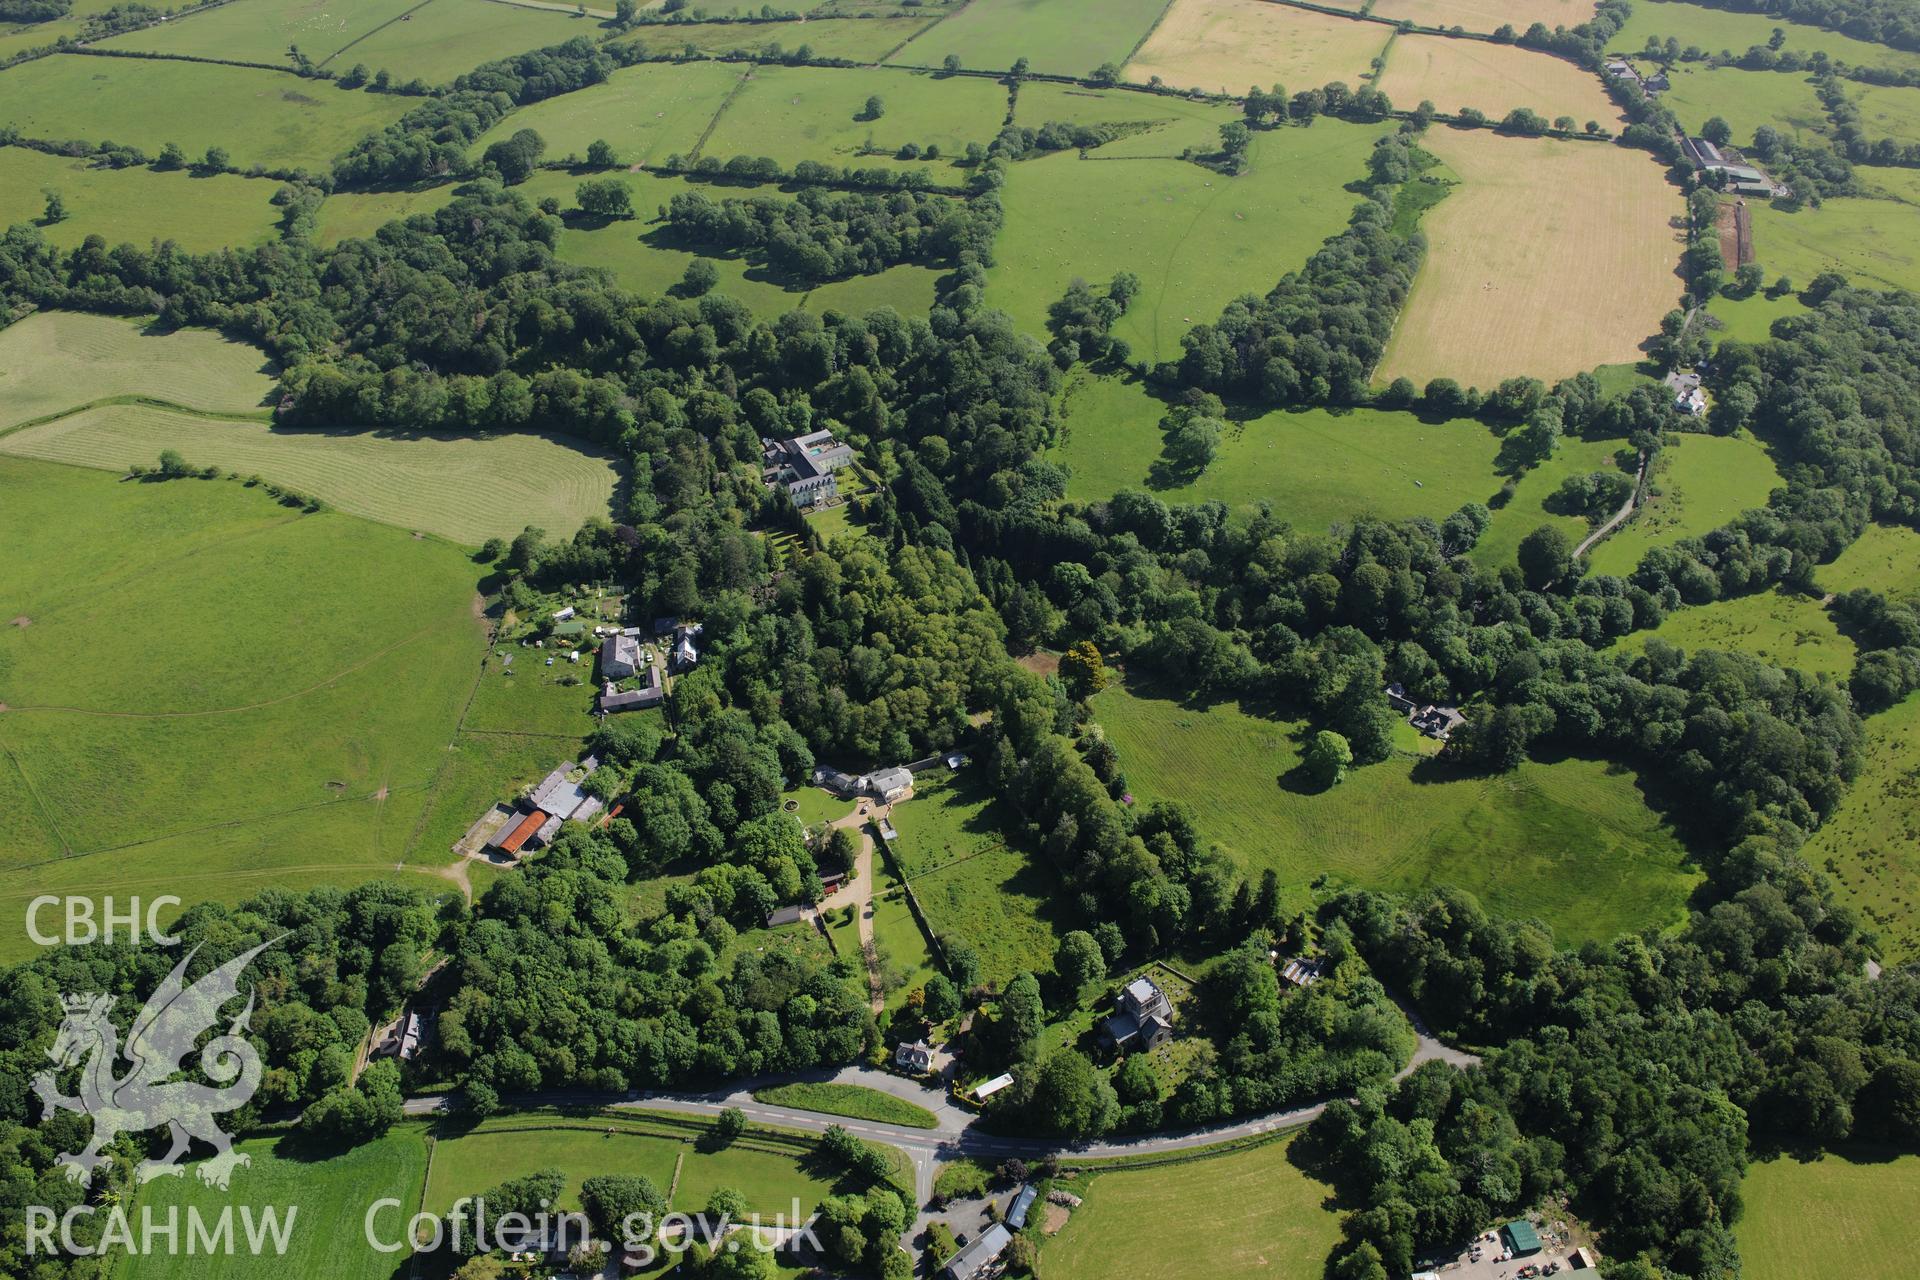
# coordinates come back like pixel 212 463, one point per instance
pixel 356 215
pixel 1887 111
pixel 135 206
pixel 1785 630
pixel 1890 183
pixel 1058 37
pixel 1703 482
pixel 299 678
pixel 1196 238
pixel 1524 512
pixel 808 113
pixel 448 38
pixel 1885 557
pixel 1722 30
pixel 55 361
pixel 17 37
pixel 262 30
pixel 1571 843
pixel 646 112
pixel 1843 1214
pixel 333 1195
pixel 862 39
pixel 261 117
pixel 1176 123
pixel 1317 467
pixel 1870 847
pixel 1002 903
pixel 1199 1208
pixel 951 816
pixel 905 963
pixel 1750 319
pixel 1874 243
pixel 464 488
pixel 528 696
pixel 856 1102
pixel 1746 100
pixel 907 289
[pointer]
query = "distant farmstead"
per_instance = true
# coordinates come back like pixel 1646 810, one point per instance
pixel 556 799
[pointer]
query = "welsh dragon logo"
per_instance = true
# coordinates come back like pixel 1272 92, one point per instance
pixel 148 1095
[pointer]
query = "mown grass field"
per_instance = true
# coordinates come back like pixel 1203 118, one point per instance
pixel 1746 100
pixel 330 1197
pixel 1704 482
pixel 1201 1209
pixel 1885 558
pixel 862 39
pixel 646 112
pixel 1485 15
pixel 1751 319
pixel 1495 78
pixel 769 1170
pixel 1844 1214
pixel 54 361
pixel 1887 111
pixel 1227 46
pixel 1786 630
pixel 135 206
pixel 1571 843
pixel 1196 239
pixel 1317 467
pixel 466 488
pixel 1062 37
pixel 262 30
pixel 448 38
pixel 1874 243
pixel 812 113
pixel 1724 30
pixel 261 117
pixel 1870 847
pixel 854 1101
pixel 298 679
pixel 1548 258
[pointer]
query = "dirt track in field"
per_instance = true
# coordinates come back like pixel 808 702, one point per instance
pixel 1546 259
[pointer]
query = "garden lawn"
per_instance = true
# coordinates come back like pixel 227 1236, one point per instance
pixel 1571 843
pixel 1870 847
pixel 1703 482
pixel 1843 1214
pixel 448 38
pixel 1199 1208
pixel 135 206
pixel 1785 630
pixel 816 806
pixel 229 756
pixel 1746 100
pixel 1885 557
pixel 1196 238
pixel 1727 31
pixel 55 361
pixel 812 113
pixel 1056 37
pixel 1228 46
pixel 646 112
pixel 466 488
pixel 269 118
pixel 856 1102
pixel 262 30
pixel 1874 243
pixel 861 39
pixel 329 1198
pixel 1317 467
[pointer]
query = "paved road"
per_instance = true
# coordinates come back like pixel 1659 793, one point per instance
pixel 956 1131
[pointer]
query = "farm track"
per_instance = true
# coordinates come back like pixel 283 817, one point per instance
pixel 400 17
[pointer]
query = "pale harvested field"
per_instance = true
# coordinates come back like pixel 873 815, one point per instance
pixel 1232 45
pixel 1495 78
pixel 464 489
pixel 1486 15
pixel 1546 259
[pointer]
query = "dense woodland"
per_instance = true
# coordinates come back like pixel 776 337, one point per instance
pixel 1636 1076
